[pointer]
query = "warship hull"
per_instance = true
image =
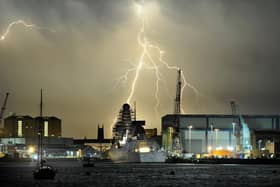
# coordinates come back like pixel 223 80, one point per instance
pixel 121 156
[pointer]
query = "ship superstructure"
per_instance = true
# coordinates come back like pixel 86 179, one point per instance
pixel 127 127
pixel 129 141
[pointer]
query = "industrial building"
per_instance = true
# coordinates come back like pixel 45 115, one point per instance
pixel 53 147
pixel 236 135
pixel 21 140
pixel 203 133
pixel 23 136
pixel 20 137
pixel 28 127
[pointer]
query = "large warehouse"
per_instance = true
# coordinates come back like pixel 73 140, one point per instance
pixel 28 127
pixel 20 138
pixel 199 133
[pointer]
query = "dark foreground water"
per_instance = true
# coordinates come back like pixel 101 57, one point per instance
pixel 71 173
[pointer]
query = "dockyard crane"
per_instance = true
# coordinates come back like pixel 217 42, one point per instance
pixel 177 140
pixel 3 108
pixel 178 94
pixel 235 125
pixel 240 130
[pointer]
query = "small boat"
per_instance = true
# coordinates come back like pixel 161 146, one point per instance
pixel 43 171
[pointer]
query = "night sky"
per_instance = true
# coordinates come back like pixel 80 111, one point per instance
pixel 227 49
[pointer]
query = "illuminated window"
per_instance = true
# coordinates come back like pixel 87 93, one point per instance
pixel 19 128
pixel 46 128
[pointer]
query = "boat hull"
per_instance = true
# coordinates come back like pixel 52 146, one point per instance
pixel 136 157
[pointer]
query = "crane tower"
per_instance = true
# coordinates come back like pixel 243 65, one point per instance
pixel 178 94
pixel 3 108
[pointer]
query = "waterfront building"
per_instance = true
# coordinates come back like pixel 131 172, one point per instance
pixel 28 127
pixel 207 132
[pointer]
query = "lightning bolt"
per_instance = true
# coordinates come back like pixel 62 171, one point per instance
pixel 185 82
pixel 124 77
pixel 22 22
pixel 145 44
pixel 146 59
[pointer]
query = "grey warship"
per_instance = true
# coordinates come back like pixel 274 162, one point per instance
pixel 129 141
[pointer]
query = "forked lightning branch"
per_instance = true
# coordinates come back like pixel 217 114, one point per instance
pixel 147 60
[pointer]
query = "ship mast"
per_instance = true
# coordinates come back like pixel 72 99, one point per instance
pixel 41 104
pixel 40 134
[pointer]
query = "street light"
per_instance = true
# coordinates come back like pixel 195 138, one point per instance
pixel 233 135
pixel 212 135
pixel 190 137
pixel 216 137
pixel 31 150
pixel 209 149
